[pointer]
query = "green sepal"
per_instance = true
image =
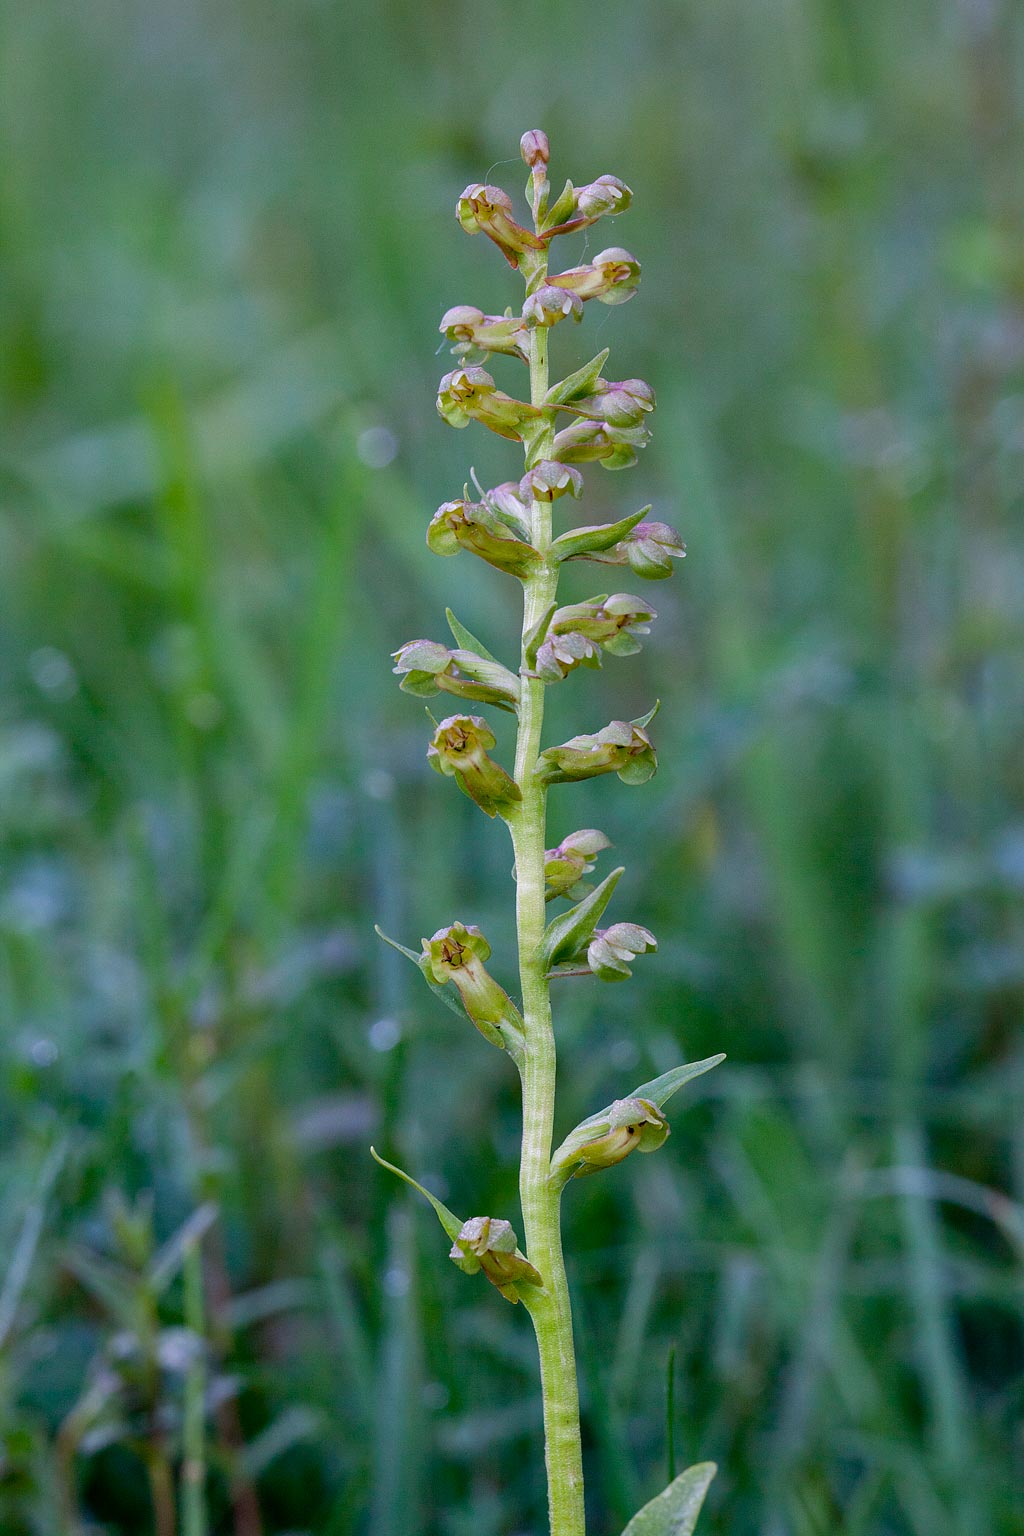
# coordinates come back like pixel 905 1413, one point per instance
pixel 579 383
pixel 571 931
pixel 448 1219
pixel 595 539
pixel 675 1510
pixel 466 641
pixel 451 1000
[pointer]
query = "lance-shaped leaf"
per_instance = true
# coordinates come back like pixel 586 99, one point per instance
pixel 428 668
pixel 566 866
pixel 635 1123
pixel 467 641
pixel 577 384
pixel 457 954
pixel 448 1219
pixel 623 747
pixel 676 1509
pixel 594 539
pixel 459 749
pixel 570 932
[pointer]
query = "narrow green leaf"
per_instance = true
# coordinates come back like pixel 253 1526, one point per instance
pixel 579 383
pixel 169 1259
pixel 467 641
pixel 660 1089
pixel 535 639
pixel 448 1219
pixel 595 539
pixel 450 999
pixel 566 935
pixel 675 1510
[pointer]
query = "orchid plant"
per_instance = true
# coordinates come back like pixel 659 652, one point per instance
pixel 581 419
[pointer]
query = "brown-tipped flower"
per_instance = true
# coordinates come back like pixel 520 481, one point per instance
pixel 611 950
pixel 612 277
pixel 428 668
pixel 623 747
pixel 573 859
pixel 534 147
pixel 487 1243
pixel 470 394
pixel 484 210
pixel 586 441
pixel 623 404
pixel 459 750
pixel 457 954
pixel 471 525
pixel 549 304
pixel 548 480
pixel 469 329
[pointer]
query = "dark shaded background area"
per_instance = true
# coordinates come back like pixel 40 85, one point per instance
pixel 227 240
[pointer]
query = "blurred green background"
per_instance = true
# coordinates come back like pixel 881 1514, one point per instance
pixel 227 239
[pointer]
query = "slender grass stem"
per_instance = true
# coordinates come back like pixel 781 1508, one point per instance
pixel 193 1472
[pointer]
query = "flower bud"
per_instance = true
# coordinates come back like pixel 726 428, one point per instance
pixel 623 747
pixel 612 949
pixel 630 1125
pixel 456 954
pixel 548 480
pixel 470 394
pixel 470 525
pixel 487 1243
pixel 648 549
pixel 612 277
pixel 427 668
pixel 534 147
pixel 620 405
pixel 550 304
pixel 488 211
pixel 459 750
pixel 573 859
pixel 471 330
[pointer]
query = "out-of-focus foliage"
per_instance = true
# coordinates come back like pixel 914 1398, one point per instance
pixel 227 239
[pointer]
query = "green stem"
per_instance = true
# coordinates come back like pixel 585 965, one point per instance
pixel 549 1307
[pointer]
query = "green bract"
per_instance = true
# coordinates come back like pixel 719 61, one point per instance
pixel 512 527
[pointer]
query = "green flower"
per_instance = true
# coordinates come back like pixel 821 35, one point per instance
pixel 471 525
pixel 471 330
pixel 470 394
pixel 587 440
pixel 428 668
pixel 487 1243
pixel 622 747
pixel 648 549
pixel 457 954
pixel 566 865
pixel 611 949
pixel 459 750
pixel 612 277
pixel 484 210
pixel 627 1125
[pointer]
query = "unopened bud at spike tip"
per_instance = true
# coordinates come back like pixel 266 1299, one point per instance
pixel 534 147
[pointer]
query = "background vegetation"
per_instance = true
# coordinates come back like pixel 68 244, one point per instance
pixel 227 239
